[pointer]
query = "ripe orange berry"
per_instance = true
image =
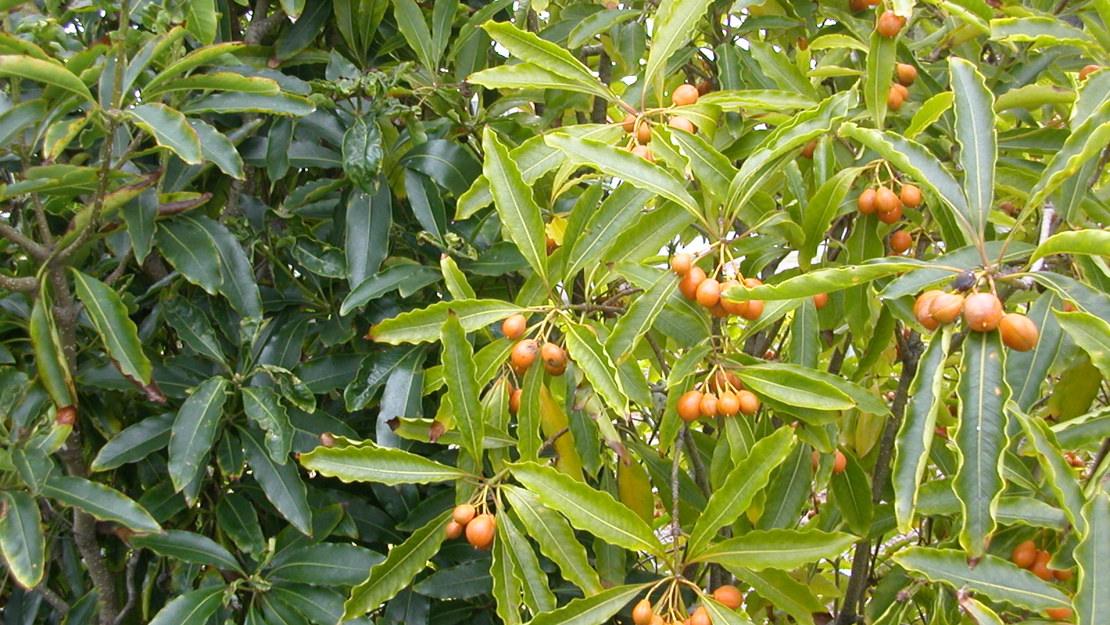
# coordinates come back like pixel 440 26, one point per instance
pixel 685 95
pixel 1040 565
pixel 731 307
pixel 753 311
pixel 1058 614
pixel 840 463
pixel 555 371
pixel 886 200
pixel 890 24
pixel 857 5
pixel 729 596
pixel 901 89
pixel 718 311
pixel 463 513
pixel 809 148
pixel 866 202
pixel 728 403
pixel 681 263
pixel 641 614
pixel 982 312
pixel 708 405
pixel 921 309
pixel 749 403
pixel 513 328
pixel 820 300
pixel 690 282
pixel 1063 576
pixel 689 406
pixel 700 617
pixel 1018 332
pixel 891 217
pixel 1087 71
pixel 629 123
pixel 1025 554
pixel 709 292
pixel 454 530
pixel 657 620
pixel 524 354
pixel 911 195
pixel 894 98
pixel 553 355
pixel 680 122
pixel 514 401
pixel 900 241
pixel 643 131
pixel 946 307
pixel 66 415
pixel 479 532
pixel 644 152
pixel 907 73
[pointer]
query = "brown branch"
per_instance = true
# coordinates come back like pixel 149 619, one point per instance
pixel 60 606
pixel 23 284
pixel 36 251
pixel 261 24
pixel 701 476
pixel 550 442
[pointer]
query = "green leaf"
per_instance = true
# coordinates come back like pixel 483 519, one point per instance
pixel 218 149
pixel 527 76
pixel 218 81
pixel 366 463
pixel 929 113
pixel 193 328
pixel 851 491
pixel 102 502
pixel 191 608
pixel 674 24
pixel 237 518
pixel 1042 32
pixel 134 443
pixel 759 99
pixel 362 148
pixel 236 273
pixel 585 349
pixel 1087 241
pixel 280 482
pixel 628 167
pixel 170 129
pixel 1085 143
pixel 381 283
pixel 188 547
pixel 462 386
pixel 194 431
pixel 38 70
pixel 821 209
pixel 783 592
pixel 1026 372
pixel 462 581
pixel 421 326
pixel 537 595
pixel 825 280
pixel 191 251
pixel 782 549
pixel 640 318
pixel 51 364
pixel 369 217
pixel 1091 333
pixel 410 21
pixel 21 539
pixel 978 139
pixel 735 494
pixel 590 510
pixel 1060 478
pixel 326 564
pixel 264 407
pixel 794 388
pixel 556 539
pixel 520 214
pixel 232 102
pixel 980 438
pixel 109 316
pixel 880 65
pixel 505 575
pixel 398 569
pixel 1092 598
pixel 528 47
pixel 999 579
pixel 592 610
pixel 200 20
pixel 322 606
pixel 915 435
pixel 1085 298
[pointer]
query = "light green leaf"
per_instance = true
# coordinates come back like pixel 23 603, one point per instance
pixel 1092 597
pixel 880 66
pixel 930 111
pixel 1087 241
pixel 590 510
pixel 398 569
pixel 200 20
pixel 21 539
pixel 38 70
pixel 794 388
pixel 555 537
pixel 422 325
pixel 980 438
pixel 367 463
pixel 585 349
pixel 109 316
pixel 1085 143
pixel 782 549
pixel 218 149
pixel 1060 478
pixel 102 502
pixel 527 76
pixel 410 21
pixel 528 47
pixel 513 198
pixel 1091 333
pixel 619 211
pixel 640 318
pixel 978 139
pixel 170 129
pixel 674 24
pixel 593 610
pixel 999 579
pixel 218 81
pixel 783 591
pixel 1042 32
pixel 462 386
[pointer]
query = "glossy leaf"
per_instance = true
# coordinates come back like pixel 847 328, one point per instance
pixel 420 326
pixel 102 502
pixel 673 26
pixel 593 610
pixel 519 212
pixel 367 463
pixel 21 537
pixel 585 349
pixel 170 128
pixel 993 576
pixel 280 482
pixel 555 538
pixel 325 564
pixel 26 67
pixel 119 334
pixel 264 407
pixel 191 608
pixel 1090 333
pixel 194 431
pixel 777 549
pixel 188 547
pixel 1092 603
pixel 528 47
pixel 462 385
pixel 975 132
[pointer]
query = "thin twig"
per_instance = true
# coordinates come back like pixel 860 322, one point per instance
pixel 36 251
pixel 132 587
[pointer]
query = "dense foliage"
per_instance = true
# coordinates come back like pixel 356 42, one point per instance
pixel 792 312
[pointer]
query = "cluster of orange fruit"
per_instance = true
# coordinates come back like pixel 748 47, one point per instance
pixel 479 528
pixel 982 312
pixel 640 128
pixel 729 596
pixel 1029 557
pixel 890 24
pixel 525 351
pixel 899 91
pixel 887 204
pixel 724 394
pixel 696 286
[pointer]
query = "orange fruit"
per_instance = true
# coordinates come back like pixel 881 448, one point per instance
pixel 729 596
pixel 809 148
pixel 641 614
pixel 700 617
pixel 681 263
pixel 454 530
pixel 728 403
pixel 1062 575
pixel 680 122
pixel 946 307
pixel 709 292
pixel 689 406
pixel 718 311
pixel 514 401
pixel 1018 332
pixel 690 282
pixel 555 371
pixel 840 463
pixel 921 308
pixel 857 5
pixel 891 217
pixel 890 24
pixel 1040 565
pixel 685 95
pixel 644 152
pixel 524 354
pixel 479 532
pixel 894 98
pixel 911 195
pixel 1024 554
pixel 886 200
pixel 753 311
pixel 1058 614
pixel 866 202
pixel 900 241
pixel 643 132
pixel 820 300
pixel 513 327
pixel 66 415
pixel 708 405
pixel 982 312
pixel 629 123
pixel 749 403
pixel 1087 71
pixel 657 620
pixel 907 73
pixel 553 355
pixel 731 307
pixel 463 513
